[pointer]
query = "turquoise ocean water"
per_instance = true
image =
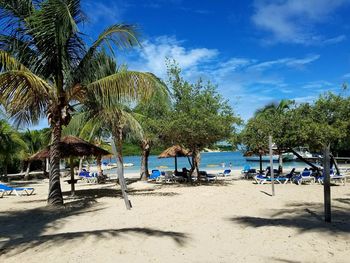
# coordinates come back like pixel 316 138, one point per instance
pixel 209 161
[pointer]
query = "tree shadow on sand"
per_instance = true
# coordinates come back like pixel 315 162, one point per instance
pixel 23 230
pixel 113 191
pixel 305 217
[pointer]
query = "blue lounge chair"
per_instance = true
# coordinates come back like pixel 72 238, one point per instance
pixel 333 177
pixel 16 190
pixel 88 177
pixel 154 175
pixel 305 176
pixel 246 169
pixel 261 179
pixel 227 172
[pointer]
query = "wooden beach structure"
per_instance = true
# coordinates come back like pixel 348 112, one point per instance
pixel 70 147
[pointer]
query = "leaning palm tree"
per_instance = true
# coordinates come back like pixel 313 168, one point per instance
pixel 46 67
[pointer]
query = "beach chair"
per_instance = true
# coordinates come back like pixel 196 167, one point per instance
pixel 154 175
pixel 207 177
pixel 305 176
pixel 261 179
pixel 16 190
pixel 246 169
pixel 290 176
pixel 333 177
pixel 2 192
pixel 88 177
pixel 227 172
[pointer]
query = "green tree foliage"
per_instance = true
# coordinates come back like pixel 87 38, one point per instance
pixel 151 115
pixel 199 116
pixel 326 121
pixel 11 145
pixel 46 67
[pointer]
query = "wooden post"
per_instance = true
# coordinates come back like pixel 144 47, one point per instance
pixel 260 160
pixel 271 166
pixel 72 186
pixel 175 164
pixel 326 185
pixel 121 179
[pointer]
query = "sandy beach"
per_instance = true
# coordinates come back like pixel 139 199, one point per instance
pixel 228 221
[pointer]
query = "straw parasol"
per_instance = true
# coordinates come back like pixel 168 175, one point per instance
pixel 71 146
pixel 175 151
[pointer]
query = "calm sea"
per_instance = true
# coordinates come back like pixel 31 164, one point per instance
pixel 209 161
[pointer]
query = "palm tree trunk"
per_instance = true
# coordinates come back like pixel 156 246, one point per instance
pixel 80 164
pixel 146 148
pixel 119 144
pixel 196 161
pixel 99 166
pixel 26 176
pixel 5 178
pixel 55 197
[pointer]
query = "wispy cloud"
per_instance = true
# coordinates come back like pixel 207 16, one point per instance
pixel 152 57
pixel 288 62
pixel 294 20
pixel 346 76
pixel 248 83
pixel 105 13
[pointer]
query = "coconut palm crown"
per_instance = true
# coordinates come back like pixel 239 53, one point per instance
pixel 46 67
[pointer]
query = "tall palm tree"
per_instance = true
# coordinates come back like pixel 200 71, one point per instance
pixel 46 67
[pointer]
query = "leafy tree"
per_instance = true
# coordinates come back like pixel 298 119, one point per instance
pixel 11 145
pixel 199 117
pixel 151 115
pixel 326 121
pixel 46 67
pixel 35 140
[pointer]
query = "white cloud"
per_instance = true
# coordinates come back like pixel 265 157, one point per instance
pixel 248 83
pixel 346 76
pixel 294 20
pixel 288 62
pixel 153 55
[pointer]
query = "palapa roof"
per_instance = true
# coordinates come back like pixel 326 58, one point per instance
pixel 72 146
pixel 173 151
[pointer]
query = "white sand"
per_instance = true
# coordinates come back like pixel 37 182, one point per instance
pixel 232 221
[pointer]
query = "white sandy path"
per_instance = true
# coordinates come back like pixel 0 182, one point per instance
pixel 235 222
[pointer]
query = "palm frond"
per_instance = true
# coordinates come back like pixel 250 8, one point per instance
pixel 124 86
pixel 8 62
pixel 24 95
pixel 119 35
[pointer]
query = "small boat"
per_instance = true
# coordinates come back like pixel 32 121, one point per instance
pixel 128 164
pixel 303 152
pixel 212 165
pixel 264 158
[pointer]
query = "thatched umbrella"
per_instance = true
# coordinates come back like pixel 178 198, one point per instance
pixel 70 147
pixel 175 151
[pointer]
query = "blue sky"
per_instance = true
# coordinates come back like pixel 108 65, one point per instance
pixel 255 51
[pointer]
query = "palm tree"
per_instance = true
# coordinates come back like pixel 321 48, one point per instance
pixel 11 144
pixel 274 108
pixel 46 67
pixel 35 141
